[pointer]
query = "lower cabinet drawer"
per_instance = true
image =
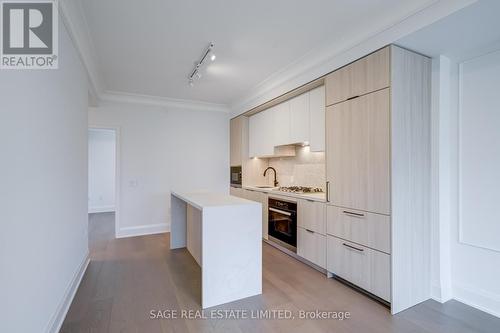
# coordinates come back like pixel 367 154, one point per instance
pixel 236 191
pixel 311 215
pixel 362 266
pixel 311 246
pixel 368 229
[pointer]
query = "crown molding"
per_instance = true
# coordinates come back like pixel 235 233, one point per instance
pixel 73 17
pixel 323 60
pixel 128 98
pixel 74 20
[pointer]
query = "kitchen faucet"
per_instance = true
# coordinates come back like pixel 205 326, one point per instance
pixel 275 181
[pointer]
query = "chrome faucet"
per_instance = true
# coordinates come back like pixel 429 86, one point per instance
pixel 275 181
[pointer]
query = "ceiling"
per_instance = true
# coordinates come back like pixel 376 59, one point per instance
pixel 149 47
pixel 460 36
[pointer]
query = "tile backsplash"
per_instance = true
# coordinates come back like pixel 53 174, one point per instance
pixel 306 168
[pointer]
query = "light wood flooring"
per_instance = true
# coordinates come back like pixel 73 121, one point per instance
pixel 127 278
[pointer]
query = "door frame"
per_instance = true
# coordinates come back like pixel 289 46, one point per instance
pixel 117 170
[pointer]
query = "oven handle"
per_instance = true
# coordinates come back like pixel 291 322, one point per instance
pixel 280 211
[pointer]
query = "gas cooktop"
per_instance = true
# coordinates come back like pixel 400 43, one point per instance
pixel 300 189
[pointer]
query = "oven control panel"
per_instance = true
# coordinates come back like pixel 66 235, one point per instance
pixel 282 204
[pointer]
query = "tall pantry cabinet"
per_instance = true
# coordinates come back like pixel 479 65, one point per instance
pixel 378 175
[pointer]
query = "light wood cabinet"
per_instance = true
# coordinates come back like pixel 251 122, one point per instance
pixel 363 76
pixel 299 119
pixel 311 246
pixel 362 266
pixel 236 191
pixel 358 156
pixel 311 215
pixel 236 141
pixel 194 233
pixel 260 197
pixel 368 229
pixel 317 119
pixel 378 166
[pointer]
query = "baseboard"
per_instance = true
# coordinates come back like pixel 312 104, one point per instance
pixel 58 318
pixel 478 298
pixel 143 230
pixel 436 292
pixel 101 209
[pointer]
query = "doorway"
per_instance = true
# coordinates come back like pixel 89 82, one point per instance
pixel 103 186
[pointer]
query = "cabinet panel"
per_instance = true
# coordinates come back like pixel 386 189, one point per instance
pixel 262 135
pixel 311 246
pixel 358 153
pixel 193 232
pixel 366 268
pixel 317 119
pixel 265 226
pixel 363 76
pixel 254 123
pixel 281 114
pixel 299 118
pixel 235 143
pixel 372 230
pixel 311 215
pixel 261 198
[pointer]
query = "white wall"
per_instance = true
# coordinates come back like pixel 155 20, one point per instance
pixel 101 170
pixel 475 271
pixel 440 180
pixel 161 150
pixel 43 195
pixel 465 267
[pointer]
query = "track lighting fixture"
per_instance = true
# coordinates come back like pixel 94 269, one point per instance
pixel 195 73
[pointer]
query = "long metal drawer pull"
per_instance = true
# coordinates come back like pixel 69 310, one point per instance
pixel 353 247
pixel 309 230
pixel 353 97
pixel 280 211
pixel 352 213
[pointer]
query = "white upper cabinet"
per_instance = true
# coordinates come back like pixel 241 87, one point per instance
pixel 261 134
pixel 299 119
pixel 317 119
pixel 281 113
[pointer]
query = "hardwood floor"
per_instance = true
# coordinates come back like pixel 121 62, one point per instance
pixel 127 278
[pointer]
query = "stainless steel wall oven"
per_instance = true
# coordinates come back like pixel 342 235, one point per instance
pixel 282 221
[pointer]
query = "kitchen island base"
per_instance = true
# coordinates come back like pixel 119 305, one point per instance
pixel 224 235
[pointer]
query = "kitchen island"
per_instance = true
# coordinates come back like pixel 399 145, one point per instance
pixel 223 233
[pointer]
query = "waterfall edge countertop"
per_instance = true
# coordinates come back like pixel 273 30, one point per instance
pixel 202 200
pixel 223 234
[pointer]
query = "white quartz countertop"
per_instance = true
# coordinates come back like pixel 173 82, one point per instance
pixel 202 200
pixel 273 191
